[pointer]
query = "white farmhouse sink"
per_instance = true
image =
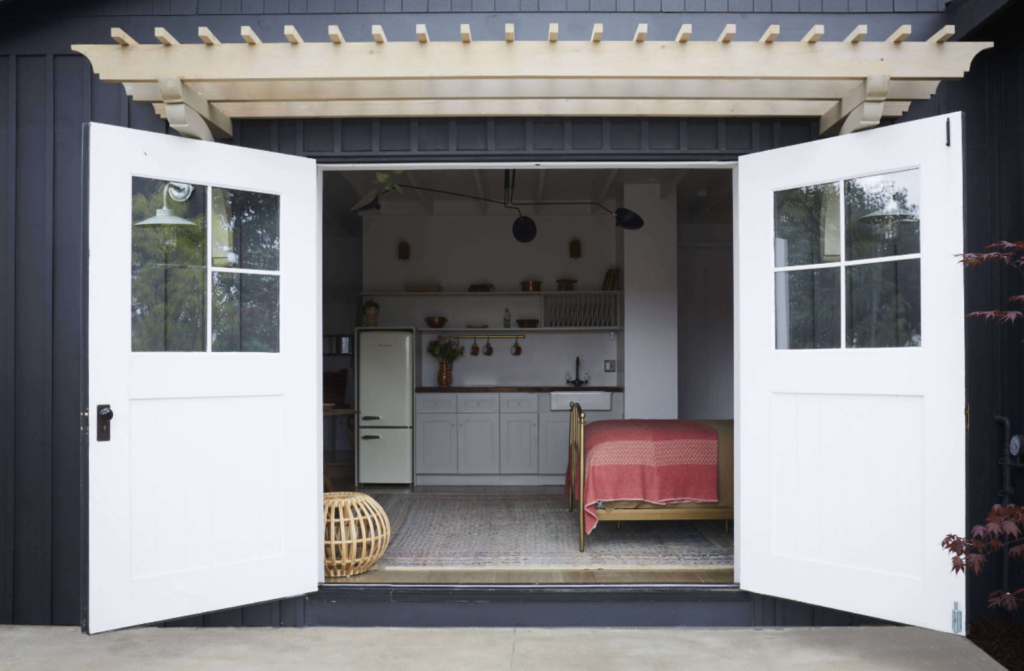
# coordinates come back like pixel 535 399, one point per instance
pixel 587 400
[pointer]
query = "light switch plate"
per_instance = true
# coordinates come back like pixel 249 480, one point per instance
pixel 609 365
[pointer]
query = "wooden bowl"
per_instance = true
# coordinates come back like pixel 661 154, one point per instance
pixel 436 322
pixel 528 323
pixel 531 285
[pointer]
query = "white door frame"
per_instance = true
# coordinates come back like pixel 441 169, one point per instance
pixel 587 165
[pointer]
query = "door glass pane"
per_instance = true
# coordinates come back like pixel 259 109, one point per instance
pixel 883 304
pixel 246 312
pixel 882 215
pixel 807 309
pixel 168 266
pixel 246 229
pixel 807 225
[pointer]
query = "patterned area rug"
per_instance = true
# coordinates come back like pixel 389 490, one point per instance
pixel 476 531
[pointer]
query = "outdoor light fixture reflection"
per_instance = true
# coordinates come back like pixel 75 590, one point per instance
pixel 179 193
pixel 890 217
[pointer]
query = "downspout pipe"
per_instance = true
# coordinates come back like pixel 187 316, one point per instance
pixel 1005 493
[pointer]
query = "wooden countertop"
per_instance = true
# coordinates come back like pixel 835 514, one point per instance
pixel 507 390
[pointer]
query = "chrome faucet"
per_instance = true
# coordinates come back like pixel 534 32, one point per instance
pixel 577 382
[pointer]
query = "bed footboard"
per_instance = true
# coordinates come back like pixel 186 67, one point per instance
pixel 577 463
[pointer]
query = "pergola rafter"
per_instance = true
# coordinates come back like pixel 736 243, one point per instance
pixel 850 85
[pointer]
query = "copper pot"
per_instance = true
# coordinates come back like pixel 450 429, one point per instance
pixel 566 285
pixel 531 285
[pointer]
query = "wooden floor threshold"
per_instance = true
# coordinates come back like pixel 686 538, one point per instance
pixel 595 576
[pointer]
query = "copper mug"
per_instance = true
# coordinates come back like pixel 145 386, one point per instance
pixel 475 349
pixel 488 350
pixel 516 349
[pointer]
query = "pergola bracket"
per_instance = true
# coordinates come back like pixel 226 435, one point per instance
pixel 860 109
pixel 190 114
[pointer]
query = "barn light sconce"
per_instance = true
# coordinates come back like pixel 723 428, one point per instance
pixel 180 193
pixel 403 251
pixel 574 249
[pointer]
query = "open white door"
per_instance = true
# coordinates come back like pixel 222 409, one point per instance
pixel 851 377
pixel 204 342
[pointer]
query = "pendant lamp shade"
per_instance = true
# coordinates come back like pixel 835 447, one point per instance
pixel 628 219
pixel 523 229
pixel 164 215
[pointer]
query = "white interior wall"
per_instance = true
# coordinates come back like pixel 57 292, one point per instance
pixel 650 346
pixel 459 248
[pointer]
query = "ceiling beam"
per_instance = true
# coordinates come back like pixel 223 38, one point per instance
pixel 460 89
pixel 867 99
pixel 537 107
pixel 190 114
pixel 540 190
pixel 522 59
pixel 478 181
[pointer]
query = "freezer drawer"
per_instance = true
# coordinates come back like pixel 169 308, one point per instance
pixel 385 456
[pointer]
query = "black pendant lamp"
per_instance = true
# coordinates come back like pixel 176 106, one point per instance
pixel 628 219
pixel 524 229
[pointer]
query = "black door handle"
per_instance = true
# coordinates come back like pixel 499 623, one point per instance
pixel 371 417
pixel 103 416
pixel 371 437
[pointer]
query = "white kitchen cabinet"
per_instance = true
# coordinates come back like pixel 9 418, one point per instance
pixel 519 443
pixel 436 403
pixel 479 446
pixel 554 442
pixel 437 443
pixel 517 402
pixel 482 403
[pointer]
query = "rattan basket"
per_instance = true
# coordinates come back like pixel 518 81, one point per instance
pixel 356 533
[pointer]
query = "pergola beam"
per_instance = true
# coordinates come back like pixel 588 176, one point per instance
pixel 499 60
pixel 457 89
pixel 190 114
pixel 536 107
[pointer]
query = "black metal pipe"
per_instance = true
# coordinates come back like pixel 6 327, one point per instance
pixel 1005 461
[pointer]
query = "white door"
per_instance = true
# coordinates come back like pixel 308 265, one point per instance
pixel 204 341
pixel 850 323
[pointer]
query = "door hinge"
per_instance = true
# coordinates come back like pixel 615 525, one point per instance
pixel 958 618
pixel 967 415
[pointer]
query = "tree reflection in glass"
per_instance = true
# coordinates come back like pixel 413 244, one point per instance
pixel 246 310
pixel 807 225
pixel 246 229
pixel 168 269
pixel 807 309
pixel 883 304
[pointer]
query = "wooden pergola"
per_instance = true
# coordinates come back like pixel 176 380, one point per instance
pixel 850 85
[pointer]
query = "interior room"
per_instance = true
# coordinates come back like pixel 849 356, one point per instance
pixel 484 327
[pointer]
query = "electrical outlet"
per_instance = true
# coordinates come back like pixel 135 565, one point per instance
pixel 611 335
pixel 609 365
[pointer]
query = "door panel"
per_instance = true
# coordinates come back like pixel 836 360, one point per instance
pixel 851 382
pixel 204 322
pixel 437 444
pixel 385 456
pixel 519 444
pixel 478 444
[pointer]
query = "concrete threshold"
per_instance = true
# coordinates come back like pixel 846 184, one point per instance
pixel 596 649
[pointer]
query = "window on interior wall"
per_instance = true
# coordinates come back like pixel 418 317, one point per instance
pixel 847 263
pixel 205 268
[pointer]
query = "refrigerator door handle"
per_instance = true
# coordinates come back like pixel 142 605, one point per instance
pixel 371 437
pixel 369 417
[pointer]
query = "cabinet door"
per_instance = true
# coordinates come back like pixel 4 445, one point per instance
pixel 436 444
pixel 554 443
pixel 519 444
pixel 478 444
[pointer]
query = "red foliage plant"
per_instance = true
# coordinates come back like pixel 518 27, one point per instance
pixel 1004 526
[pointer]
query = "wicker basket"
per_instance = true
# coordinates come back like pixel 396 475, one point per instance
pixel 356 533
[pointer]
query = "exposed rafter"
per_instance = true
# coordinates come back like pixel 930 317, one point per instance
pixel 417 76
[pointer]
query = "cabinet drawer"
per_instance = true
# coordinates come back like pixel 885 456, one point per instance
pixel 519 403
pixel 435 402
pixel 478 402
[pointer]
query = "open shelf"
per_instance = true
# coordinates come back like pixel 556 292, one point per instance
pixel 540 329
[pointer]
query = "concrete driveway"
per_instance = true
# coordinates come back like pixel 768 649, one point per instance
pixel 152 649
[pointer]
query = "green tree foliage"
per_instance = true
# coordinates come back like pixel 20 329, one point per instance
pixel 168 272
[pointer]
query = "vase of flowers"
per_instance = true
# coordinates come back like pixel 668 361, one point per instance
pixel 446 350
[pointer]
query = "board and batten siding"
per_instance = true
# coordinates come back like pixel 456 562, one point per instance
pixel 46 93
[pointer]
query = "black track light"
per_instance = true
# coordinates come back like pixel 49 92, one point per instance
pixel 628 219
pixel 524 229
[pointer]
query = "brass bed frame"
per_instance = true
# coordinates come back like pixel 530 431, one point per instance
pixel 577 427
